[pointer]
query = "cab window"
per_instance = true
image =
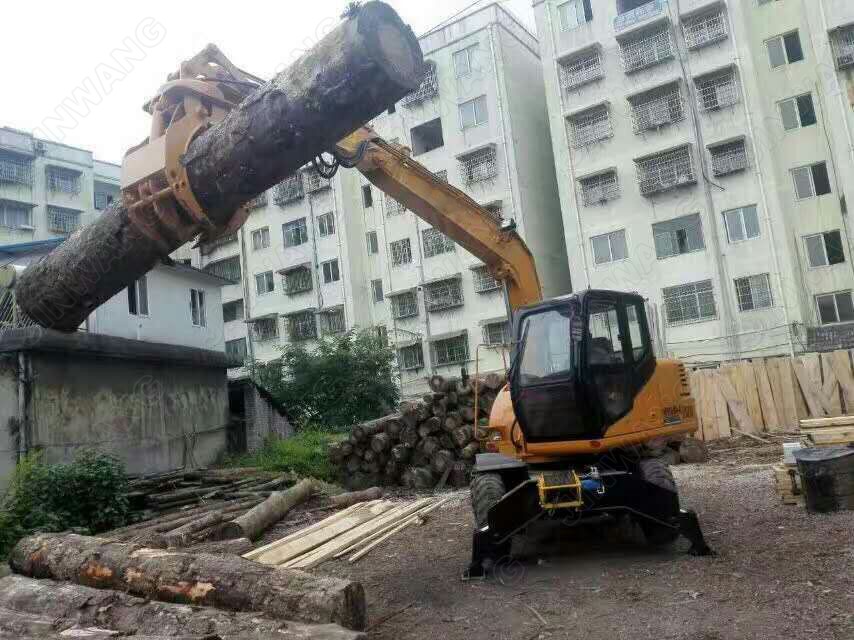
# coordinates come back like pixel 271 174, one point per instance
pixel 546 352
pixel 603 344
pixel 638 333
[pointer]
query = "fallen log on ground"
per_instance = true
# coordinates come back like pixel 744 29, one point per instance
pixel 257 520
pixel 227 582
pixel 347 499
pixel 238 547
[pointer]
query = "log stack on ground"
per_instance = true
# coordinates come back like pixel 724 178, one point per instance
pixel 424 441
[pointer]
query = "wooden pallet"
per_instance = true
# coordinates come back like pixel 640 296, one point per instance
pixel 788 484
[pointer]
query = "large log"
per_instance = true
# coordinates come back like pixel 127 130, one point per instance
pixel 56 606
pixel 257 520
pixel 370 61
pixel 222 581
pixel 353 497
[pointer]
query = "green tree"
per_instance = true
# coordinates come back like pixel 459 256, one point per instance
pixel 347 379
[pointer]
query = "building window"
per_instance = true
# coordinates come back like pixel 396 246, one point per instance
pixel 580 70
pixel 427 137
pixel 825 249
pixel 404 305
pixel 665 171
pixel 646 51
pixel 717 90
pixel 377 290
pixel 844 45
pixel 811 181
pixel 401 252
pixel 600 188
pixel 393 207
pixel 609 247
pixel 705 29
pixel 742 223
pixel 264 329
pixel 62 220
pixel 729 158
pixel 298 280
pixel 315 182
pixel 754 292
pixel 235 350
pixel 694 302
pixel 464 61
pixel 302 326
pixel 412 357
pixel 574 13
pixel 326 224
pixel 15 168
pixel 657 108
pixel 288 190
pixel 496 333
pixel 473 113
pixel 138 297
pixel 228 269
pixel 14 215
pixel 429 87
pixel 381 334
pixel 197 308
pixel 835 307
pixel 436 242
pixel 295 233
pixel 62 180
pixel 257 202
pixel 785 49
pixel 797 112
pixel 446 294
pixel 367 196
pixel 484 281
pixel 264 283
pixel 330 271
pixel 332 321
pixel 479 165
pixel 372 242
pixel 679 236
pixel 590 126
pixel 232 311
pixel 451 350
pixel 261 238
pixel 103 199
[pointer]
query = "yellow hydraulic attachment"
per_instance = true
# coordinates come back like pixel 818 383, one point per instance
pixel 573 485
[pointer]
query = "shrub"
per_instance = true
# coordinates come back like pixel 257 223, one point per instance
pixel 304 454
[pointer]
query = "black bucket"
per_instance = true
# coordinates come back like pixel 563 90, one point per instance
pixel 827 475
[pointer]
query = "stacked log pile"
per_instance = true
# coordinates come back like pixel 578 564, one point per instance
pixel 428 443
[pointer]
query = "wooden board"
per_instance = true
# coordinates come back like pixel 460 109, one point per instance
pixel 841 362
pixel 830 436
pixel 807 384
pixel 766 396
pixel 782 386
pixel 721 411
pixel 830 386
pixel 707 406
pixel 736 407
pixel 749 394
pixel 839 421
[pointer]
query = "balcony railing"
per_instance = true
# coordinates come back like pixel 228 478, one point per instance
pixel 314 182
pixel 647 51
pixel 729 158
pixel 15 169
pixel 717 91
pixel 443 295
pixel 428 89
pixel 639 14
pixel 600 188
pixel 61 220
pixel 657 109
pixel 706 29
pixel 288 190
pixel 590 126
pixel 665 171
pixel 579 71
pixel 479 165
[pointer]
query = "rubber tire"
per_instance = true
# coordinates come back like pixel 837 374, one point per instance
pixel 657 472
pixel 486 490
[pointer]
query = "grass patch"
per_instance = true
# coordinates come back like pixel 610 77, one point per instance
pixel 303 454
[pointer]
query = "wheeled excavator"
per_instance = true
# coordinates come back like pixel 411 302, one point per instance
pixel 586 395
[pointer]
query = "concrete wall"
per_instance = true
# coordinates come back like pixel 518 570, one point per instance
pixel 263 420
pixel 8 417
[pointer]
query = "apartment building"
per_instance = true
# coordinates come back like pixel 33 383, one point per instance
pixel 320 257
pixel 700 147
pixel 48 189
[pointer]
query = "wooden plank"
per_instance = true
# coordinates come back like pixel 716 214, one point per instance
pixel 766 396
pixel 825 437
pixel 830 386
pixel 816 423
pixel 722 425
pixel 793 399
pixel 749 394
pixel 695 381
pixel 707 406
pixel 812 397
pixel 780 377
pixel 736 405
pixel 841 363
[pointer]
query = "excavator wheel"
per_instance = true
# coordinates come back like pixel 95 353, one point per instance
pixel 657 472
pixel 486 490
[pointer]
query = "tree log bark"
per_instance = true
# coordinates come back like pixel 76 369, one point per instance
pixel 469 451
pixel 183 535
pixel 409 436
pixel 256 521
pixel 236 547
pixel 441 461
pixel 226 582
pixel 400 453
pixel 355 72
pixel 348 499
pixel 380 442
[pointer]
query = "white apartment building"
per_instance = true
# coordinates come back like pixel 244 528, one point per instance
pixel 317 257
pixel 700 148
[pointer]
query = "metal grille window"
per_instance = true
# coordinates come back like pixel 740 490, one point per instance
pixel 209 247
pixel 835 307
pixel 785 49
pixel 14 215
pixel 258 201
pixel 297 280
pixel 825 249
pixel 428 89
pixel 61 220
pixel 590 126
pixel 404 305
pixel 288 190
pixel 264 329
pixel 103 199
pixel 797 112
pixel 235 350
pixel 441 175
pixel 197 308
pixel 232 311
pixel 401 252
pixel 393 207
pixel 295 233
pixel 484 281
pixel 60 179
pixel 377 290
pixel 446 294
pixel 372 242
pixel 646 51
pixel 15 169
pixel 479 165
pixel 496 333
pixel 675 237
pixel 264 283
pixel 665 171
pixel 717 90
pixel 315 182
pixel 326 224
pixel 332 321
pixel 412 357
pixel 261 238
pixel 742 223
pixel 580 70
pixel 436 243
pixel 692 302
pixel 729 158
pixel 754 292
pixel 609 247
pixel 844 41
pixel 657 108
pixel 229 268
pixel 331 272
pixel 451 350
pixel 496 210
pixel 705 29
pixel 302 326
pixel 599 188
pixel 811 181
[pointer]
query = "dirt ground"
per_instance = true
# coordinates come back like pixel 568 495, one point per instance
pixel 779 573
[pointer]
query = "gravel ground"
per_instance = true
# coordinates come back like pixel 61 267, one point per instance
pixel 780 572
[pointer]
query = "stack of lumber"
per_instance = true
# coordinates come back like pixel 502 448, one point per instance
pixel 430 442
pixel 788 484
pixel 353 532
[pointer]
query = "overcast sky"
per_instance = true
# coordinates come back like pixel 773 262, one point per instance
pixel 63 82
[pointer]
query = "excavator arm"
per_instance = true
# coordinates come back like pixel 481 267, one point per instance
pixel 390 168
